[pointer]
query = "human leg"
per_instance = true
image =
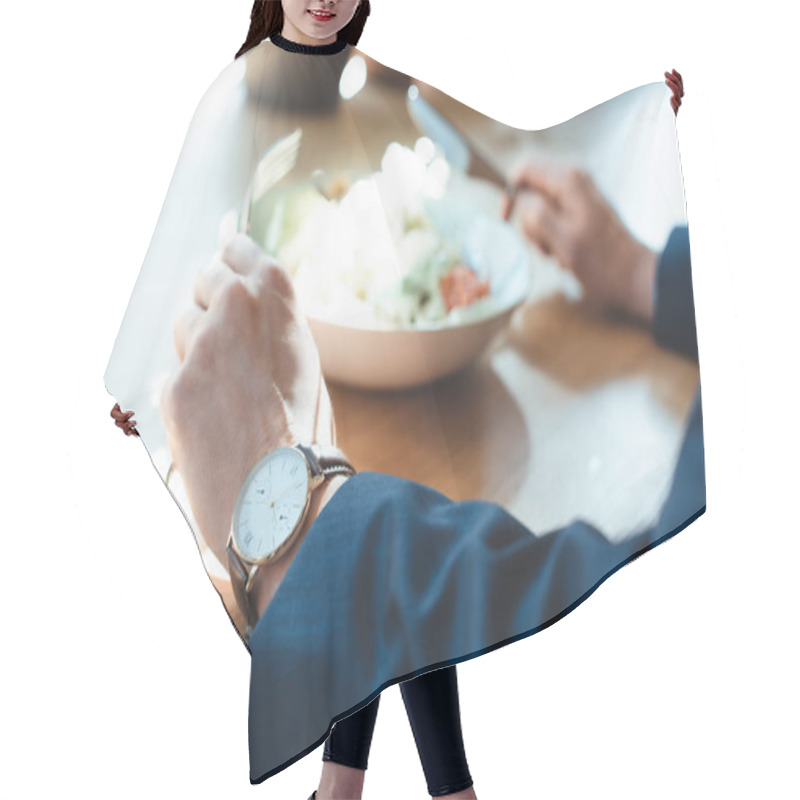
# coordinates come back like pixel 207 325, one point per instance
pixel 432 705
pixel 346 753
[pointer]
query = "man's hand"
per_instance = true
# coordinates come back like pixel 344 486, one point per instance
pixel 124 420
pixel 675 82
pixel 249 381
pixel 565 216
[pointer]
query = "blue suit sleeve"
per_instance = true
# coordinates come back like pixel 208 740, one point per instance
pixel 394 579
pixel 674 323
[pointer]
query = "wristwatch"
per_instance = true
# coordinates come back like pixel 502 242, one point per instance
pixel 271 509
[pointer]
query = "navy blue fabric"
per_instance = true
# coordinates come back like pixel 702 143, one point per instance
pixel 674 324
pixel 394 579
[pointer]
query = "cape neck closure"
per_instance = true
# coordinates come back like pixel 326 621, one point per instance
pixel 308 49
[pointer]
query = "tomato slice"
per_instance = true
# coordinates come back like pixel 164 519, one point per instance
pixel 461 286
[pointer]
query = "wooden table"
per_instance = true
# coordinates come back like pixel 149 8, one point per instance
pixel 569 414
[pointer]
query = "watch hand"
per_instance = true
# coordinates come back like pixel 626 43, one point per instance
pixel 285 491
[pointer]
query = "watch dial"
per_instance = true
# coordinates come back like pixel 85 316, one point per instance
pixel 272 503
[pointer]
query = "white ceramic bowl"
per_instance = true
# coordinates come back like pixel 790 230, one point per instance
pixel 400 359
pixel 369 358
pixel 394 359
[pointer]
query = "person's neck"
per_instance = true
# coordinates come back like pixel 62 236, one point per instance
pixel 297 36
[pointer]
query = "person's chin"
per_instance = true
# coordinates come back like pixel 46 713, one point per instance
pixel 315 34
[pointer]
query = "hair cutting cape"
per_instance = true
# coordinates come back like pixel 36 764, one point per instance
pixel 514 447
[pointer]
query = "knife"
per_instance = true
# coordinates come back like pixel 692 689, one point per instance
pixel 461 153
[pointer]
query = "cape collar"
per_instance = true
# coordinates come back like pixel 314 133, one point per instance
pixel 308 49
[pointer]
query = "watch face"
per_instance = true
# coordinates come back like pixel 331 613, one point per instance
pixel 271 503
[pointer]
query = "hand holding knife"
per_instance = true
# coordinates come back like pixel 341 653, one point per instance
pixel 461 153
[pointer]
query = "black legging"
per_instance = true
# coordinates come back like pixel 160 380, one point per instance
pixel 432 706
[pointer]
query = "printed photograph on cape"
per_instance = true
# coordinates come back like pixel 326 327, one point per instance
pixel 418 380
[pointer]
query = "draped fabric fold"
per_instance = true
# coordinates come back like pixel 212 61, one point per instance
pixel 514 445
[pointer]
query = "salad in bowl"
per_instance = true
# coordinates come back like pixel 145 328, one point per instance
pixel 402 278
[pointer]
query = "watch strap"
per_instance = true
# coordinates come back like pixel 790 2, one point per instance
pixel 241 573
pixel 326 460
